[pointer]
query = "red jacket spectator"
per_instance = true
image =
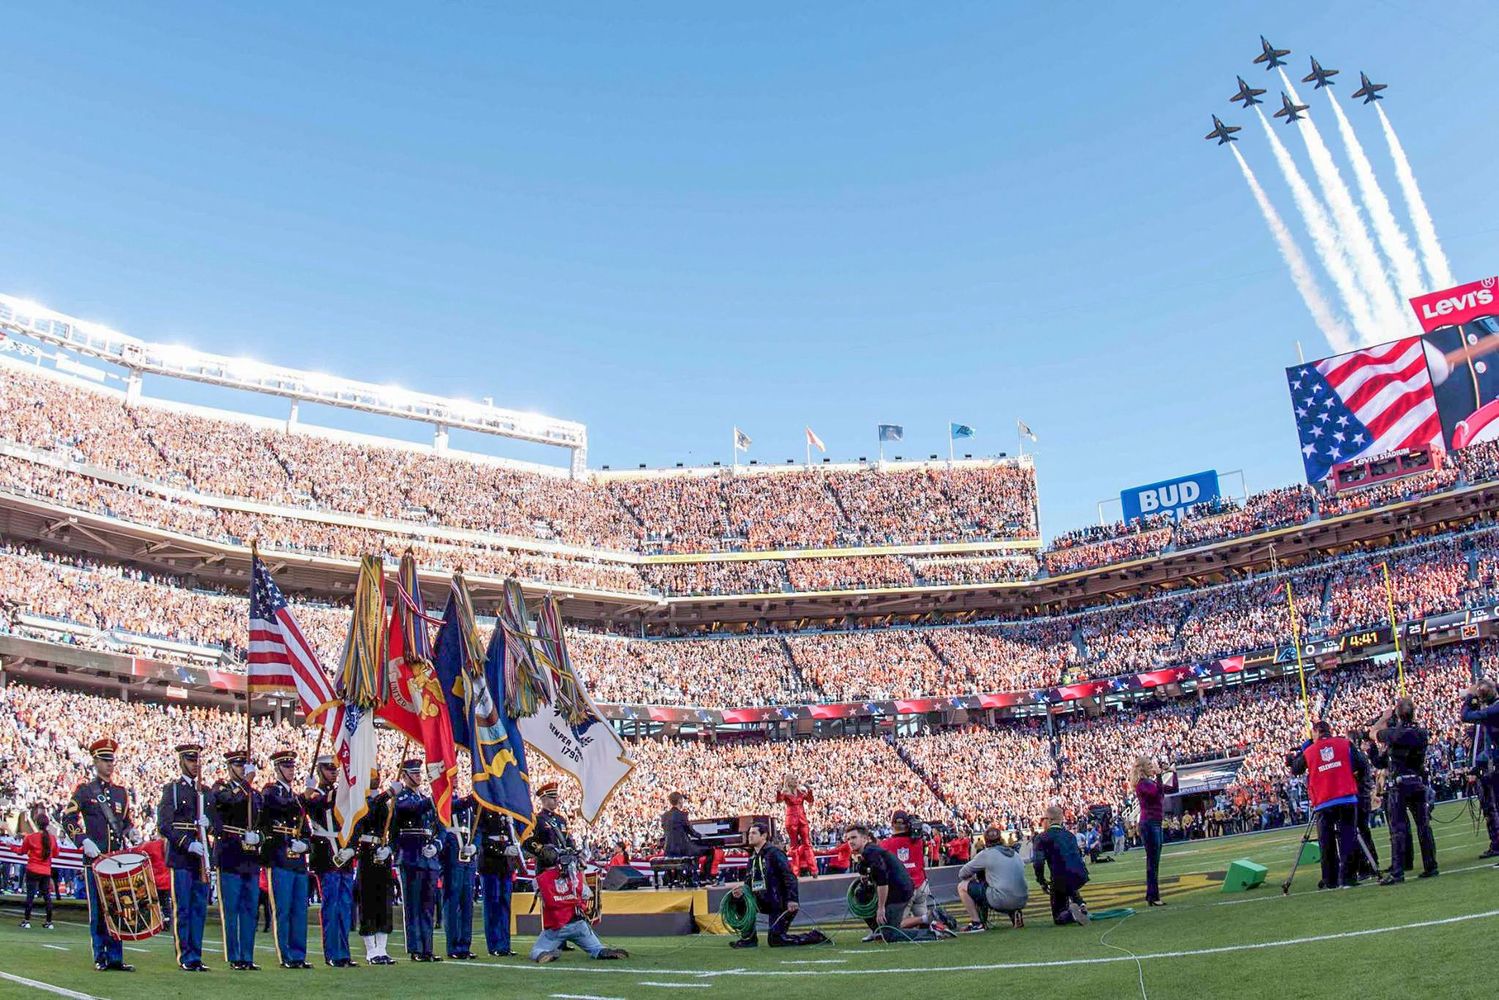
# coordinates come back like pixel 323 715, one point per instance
pixel 40 848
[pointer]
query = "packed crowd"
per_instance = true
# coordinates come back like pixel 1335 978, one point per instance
pixel 51 596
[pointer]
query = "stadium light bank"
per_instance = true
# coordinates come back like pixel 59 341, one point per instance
pixel 139 357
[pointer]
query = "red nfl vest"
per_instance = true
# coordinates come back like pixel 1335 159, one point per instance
pixel 1329 771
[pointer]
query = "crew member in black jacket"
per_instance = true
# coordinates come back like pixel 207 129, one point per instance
pixel 681 842
pixel 1406 795
pixel 771 881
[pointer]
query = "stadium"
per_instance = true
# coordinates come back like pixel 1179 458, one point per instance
pixel 805 651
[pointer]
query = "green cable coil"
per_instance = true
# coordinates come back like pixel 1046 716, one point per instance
pixel 738 913
pixel 862 900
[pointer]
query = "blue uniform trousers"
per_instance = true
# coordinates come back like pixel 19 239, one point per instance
pixel 107 947
pixel 239 897
pixel 289 905
pixel 496 890
pixel 458 908
pixel 337 890
pixel 190 912
pixel 418 903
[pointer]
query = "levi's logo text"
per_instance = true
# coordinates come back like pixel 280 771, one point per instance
pixel 1446 307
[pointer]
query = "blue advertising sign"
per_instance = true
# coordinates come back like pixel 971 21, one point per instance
pixel 1170 495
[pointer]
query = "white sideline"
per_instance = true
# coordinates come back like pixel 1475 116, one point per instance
pixel 48 987
pixel 1000 966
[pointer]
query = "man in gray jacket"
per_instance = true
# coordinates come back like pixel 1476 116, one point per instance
pixel 993 880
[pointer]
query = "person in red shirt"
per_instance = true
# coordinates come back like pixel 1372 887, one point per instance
pixel 621 855
pixel 910 845
pixel 563 899
pixel 39 847
pixel 843 856
pixel 959 849
pixel 798 830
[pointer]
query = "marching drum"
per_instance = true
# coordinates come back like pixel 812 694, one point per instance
pixel 127 894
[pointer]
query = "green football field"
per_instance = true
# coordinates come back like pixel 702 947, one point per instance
pixel 1421 939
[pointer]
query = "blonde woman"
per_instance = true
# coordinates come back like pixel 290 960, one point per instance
pixel 1151 788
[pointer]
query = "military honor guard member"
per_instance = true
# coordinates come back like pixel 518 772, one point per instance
pixel 499 860
pixel 237 812
pixel 182 821
pixel 457 851
pixel 416 840
pixel 332 866
pixel 286 819
pixel 374 879
pixel 98 820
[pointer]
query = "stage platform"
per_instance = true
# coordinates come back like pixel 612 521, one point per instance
pixel 665 912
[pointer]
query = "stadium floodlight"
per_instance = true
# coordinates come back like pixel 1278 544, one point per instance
pixel 33 320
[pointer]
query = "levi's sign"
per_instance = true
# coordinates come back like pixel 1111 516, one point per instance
pixel 1169 496
pixel 1459 305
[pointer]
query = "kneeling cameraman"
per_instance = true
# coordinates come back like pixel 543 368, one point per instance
pixel 1404 755
pixel 563 897
pixel 771 881
pixel 993 880
pixel 886 878
pixel 1481 707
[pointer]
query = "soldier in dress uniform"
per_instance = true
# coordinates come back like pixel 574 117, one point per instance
pixel 457 851
pixel 98 820
pixel 182 821
pixel 332 866
pixel 374 881
pixel 416 839
pixel 499 860
pixel 551 827
pixel 286 819
pixel 237 814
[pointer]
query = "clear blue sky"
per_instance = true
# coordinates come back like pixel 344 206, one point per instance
pixel 671 222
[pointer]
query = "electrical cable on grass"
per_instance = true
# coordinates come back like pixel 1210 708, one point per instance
pixel 1139 966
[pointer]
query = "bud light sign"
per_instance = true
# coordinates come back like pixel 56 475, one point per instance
pixel 1171 496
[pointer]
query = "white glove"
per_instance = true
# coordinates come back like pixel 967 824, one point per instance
pixel 512 851
pixel 429 850
pixel 394 788
pixel 298 846
pixel 195 848
pixel 90 849
pixel 343 856
pixel 587 892
pixel 252 839
pixel 311 785
pixel 382 854
pixel 467 854
pixel 204 822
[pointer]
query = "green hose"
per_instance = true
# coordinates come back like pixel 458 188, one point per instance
pixel 863 902
pixel 738 913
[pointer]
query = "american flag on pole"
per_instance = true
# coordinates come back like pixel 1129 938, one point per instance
pixel 281 658
pixel 1367 402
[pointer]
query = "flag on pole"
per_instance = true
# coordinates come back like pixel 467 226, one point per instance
pixel 417 708
pixel 473 686
pixel 742 440
pixel 280 657
pixel 361 685
pixel 891 432
pixel 960 431
pixel 566 727
pixel 1025 430
pixel 816 442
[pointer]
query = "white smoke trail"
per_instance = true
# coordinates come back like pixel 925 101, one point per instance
pixel 1352 233
pixel 1391 237
pixel 1331 324
pixel 1324 238
pixel 1426 231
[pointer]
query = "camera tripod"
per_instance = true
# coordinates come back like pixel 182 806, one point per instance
pixel 1306 836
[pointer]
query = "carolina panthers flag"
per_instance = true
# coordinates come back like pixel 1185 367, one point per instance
pixel 473 684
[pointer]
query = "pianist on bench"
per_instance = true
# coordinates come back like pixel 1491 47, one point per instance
pixel 682 842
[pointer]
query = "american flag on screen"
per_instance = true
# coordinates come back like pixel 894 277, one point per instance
pixel 1367 402
pixel 281 658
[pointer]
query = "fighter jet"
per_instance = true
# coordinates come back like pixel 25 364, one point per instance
pixel 1247 94
pixel 1288 110
pixel 1319 76
pixel 1223 133
pixel 1270 55
pixel 1370 90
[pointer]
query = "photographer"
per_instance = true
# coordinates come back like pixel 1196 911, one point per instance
pixel 1333 766
pixel 882 873
pixel 907 841
pixel 563 898
pixel 770 880
pixel 1404 755
pixel 1481 707
pixel 993 880
pixel 1056 849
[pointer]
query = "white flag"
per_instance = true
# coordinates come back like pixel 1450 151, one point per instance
pixel 591 752
pixel 354 756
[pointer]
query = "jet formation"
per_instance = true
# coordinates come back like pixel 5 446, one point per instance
pixel 1271 57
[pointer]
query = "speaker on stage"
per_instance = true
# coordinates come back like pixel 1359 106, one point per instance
pixel 624 877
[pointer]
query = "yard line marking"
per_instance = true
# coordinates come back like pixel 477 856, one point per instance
pixel 677 986
pixel 813 961
pixel 48 987
pixel 582 996
pixel 55 947
pixel 143 951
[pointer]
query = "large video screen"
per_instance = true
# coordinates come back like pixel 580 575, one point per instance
pixel 1438 389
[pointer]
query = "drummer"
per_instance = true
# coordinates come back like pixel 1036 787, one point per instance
pixel 182 821
pixel 98 820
